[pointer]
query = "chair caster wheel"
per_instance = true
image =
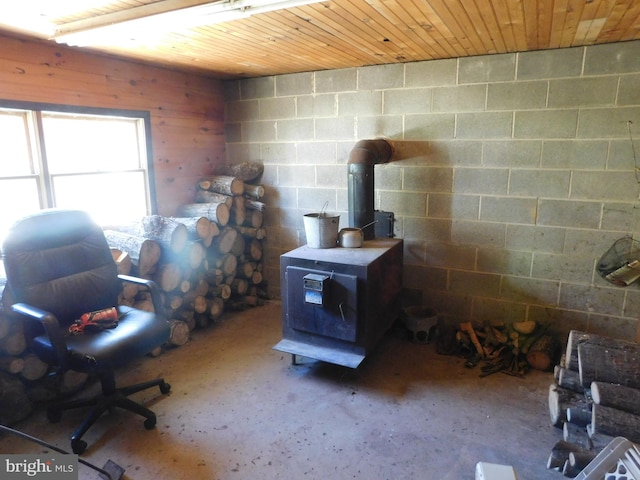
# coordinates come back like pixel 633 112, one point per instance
pixel 150 423
pixel 78 446
pixel 54 415
pixel 165 387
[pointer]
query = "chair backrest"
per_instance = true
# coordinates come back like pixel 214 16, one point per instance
pixel 59 261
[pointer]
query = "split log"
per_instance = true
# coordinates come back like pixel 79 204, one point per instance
pixel 256 278
pixel 144 253
pixel 238 210
pixel 238 246
pixel 11 364
pixel 228 264
pixel 598 440
pixel 188 317
pixel 122 260
pixel 247 269
pixel 72 381
pixel 216 212
pixel 579 460
pixel 469 330
pixel 200 228
pixel 129 290
pixel 223 243
pixel 615 423
pixel 571 353
pixel 167 231
pixel 254 219
pixel 179 333
pixel 216 308
pixel 197 303
pixel 576 435
pixel 14 343
pixel 608 364
pixel 257 233
pixel 222 291
pixel 15 405
pixel 559 400
pixel 239 286
pixel 256 205
pixel 579 415
pixel 194 254
pixel 205 196
pixel 569 379
pixel 255 191
pixel 34 368
pixel 248 171
pixel 253 250
pixel 576 338
pixel 173 302
pixel 616 396
pixel 543 353
pixel 227 184
pixel 145 304
pixel 5 324
pixel 560 454
pixel 168 277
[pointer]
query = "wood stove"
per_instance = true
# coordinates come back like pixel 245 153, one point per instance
pixel 338 302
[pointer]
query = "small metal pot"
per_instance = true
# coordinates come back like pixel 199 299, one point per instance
pixel 350 237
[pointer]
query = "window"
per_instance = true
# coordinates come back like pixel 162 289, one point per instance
pixel 94 160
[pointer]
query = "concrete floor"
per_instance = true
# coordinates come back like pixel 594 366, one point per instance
pixel 240 410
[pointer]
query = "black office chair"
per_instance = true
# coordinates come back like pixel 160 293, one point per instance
pixel 59 267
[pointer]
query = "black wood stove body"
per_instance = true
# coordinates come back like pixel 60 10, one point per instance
pixel 337 303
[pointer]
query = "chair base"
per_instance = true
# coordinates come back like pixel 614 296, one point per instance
pixel 103 402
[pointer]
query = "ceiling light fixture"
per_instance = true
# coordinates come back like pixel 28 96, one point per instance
pixel 143 23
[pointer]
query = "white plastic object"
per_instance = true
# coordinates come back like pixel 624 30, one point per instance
pixel 493 471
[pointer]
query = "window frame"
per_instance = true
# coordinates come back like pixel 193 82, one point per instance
pixel 39 156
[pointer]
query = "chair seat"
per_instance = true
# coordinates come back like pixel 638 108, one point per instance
pixel 138 332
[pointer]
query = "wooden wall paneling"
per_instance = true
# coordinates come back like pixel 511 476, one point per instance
pixel 518 25
pixel 574 12
pixel 187 111
pixel 456 22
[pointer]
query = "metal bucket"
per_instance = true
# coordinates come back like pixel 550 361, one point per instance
pixel 321 230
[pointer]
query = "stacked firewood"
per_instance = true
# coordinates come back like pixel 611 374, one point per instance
pixel 205 262
pixel 595 398
pixel 510 348
pixel 23 379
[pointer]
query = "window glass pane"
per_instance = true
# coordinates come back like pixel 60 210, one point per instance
pixel 76 143
pixel 22 197
pixel 15 154
pixel 110 198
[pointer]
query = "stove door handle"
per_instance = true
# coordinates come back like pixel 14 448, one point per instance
pixel 342 312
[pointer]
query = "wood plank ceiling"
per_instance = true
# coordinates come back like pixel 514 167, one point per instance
pixel 346 33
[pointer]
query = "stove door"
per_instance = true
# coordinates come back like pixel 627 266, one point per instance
pixel 331 313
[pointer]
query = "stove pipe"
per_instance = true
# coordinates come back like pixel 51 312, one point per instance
pixel 360 182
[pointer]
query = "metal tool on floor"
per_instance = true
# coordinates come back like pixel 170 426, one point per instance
pixel 110 470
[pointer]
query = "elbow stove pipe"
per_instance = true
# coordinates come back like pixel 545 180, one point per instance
pixel 360 182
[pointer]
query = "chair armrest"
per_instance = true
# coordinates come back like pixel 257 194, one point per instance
pixel 51 327
pixel 153 289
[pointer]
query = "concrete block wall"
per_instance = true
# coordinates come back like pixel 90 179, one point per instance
pixel 511 175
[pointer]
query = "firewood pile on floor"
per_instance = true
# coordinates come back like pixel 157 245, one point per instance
pixel 595 398
pixel 510 348
pixel 207 261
